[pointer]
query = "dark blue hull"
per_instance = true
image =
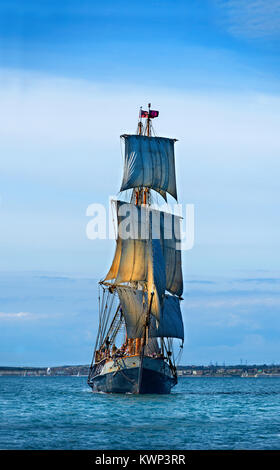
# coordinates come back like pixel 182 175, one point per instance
pixel 127 381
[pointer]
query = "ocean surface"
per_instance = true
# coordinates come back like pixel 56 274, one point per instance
pixel 201 413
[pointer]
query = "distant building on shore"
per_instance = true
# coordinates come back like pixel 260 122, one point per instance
pixel 183 371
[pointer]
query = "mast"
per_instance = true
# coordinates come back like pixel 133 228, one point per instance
pixel 146 193
pixel 145 199
pixel 146 331
pixel 141 195
pixel 153 263
pixel 140 125
pixel 149 121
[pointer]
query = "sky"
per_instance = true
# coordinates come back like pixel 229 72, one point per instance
pixel 72 78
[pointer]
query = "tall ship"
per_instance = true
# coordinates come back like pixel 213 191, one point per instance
pixel 140 334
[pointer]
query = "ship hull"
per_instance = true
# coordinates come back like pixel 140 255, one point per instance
pixel 129 376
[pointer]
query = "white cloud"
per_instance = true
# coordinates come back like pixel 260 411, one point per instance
pixel 60 147
pixel 253 348
pixel 246 312
pixel 26 316
pixel 235 302
pixel 46 117
pixel 252 18
pixel 16 316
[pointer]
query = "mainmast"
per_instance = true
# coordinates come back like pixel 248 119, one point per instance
pixel 149 115
pixel 142 196
pixel 149 263
pixel 148 126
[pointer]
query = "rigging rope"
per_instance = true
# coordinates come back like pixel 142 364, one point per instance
pixel 108 307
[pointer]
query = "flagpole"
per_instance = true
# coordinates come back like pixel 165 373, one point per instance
pixel 140 125
pixel 149 121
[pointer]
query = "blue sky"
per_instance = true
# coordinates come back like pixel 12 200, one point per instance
pixel 73 75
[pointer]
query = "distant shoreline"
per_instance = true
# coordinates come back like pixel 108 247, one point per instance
pixel 239 370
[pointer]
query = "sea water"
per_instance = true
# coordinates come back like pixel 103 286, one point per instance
pixel 200 413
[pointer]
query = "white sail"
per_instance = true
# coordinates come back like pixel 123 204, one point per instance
pixel 135 255
pixel 134 304
pixel 130 262
pixel 134 307
pixel 149 162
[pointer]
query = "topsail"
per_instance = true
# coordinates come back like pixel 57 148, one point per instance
pixel 149 162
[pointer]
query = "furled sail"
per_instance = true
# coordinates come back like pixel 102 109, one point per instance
pixel 147 247
pixel 149 162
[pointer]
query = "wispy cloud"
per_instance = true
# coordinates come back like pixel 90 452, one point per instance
pixel 261 280
pixel 252 18
pixel 199 281
pixel 234 302
pixel 16 316
pixel 26 316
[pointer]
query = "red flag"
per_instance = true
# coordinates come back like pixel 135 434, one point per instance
pixel 153 114
pixel 144 114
